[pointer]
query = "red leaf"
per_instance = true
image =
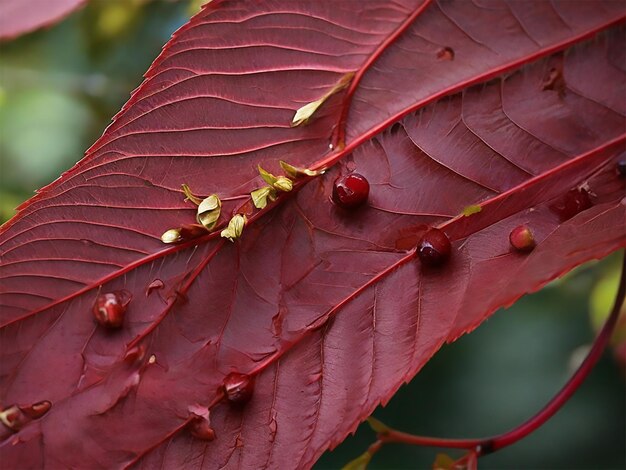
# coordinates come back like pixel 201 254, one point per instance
pixel 328 310
pixel 18 17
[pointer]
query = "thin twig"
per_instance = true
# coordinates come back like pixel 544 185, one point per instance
pixel 491 444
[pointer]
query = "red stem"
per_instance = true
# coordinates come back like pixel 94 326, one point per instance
pixel 491 444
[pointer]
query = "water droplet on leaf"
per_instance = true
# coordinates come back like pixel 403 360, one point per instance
pixel 522 238
pixel 350 191
pixel 238 388
pixel 109 308
pixel 621 168
pixel 434 248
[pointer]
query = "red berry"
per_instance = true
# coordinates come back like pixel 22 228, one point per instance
pixel 109 308
pixel 238 388
pixel 522 238
pixel 434 248
pixel 350 190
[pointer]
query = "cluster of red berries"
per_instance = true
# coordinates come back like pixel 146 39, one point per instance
pixel 349 192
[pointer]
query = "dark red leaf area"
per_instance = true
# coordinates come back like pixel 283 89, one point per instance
pixel 328 308
pixel 19 16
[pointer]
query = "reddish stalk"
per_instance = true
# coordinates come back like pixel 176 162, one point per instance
pixel 491 444
pixel 375 447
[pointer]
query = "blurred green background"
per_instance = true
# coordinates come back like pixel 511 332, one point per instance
pixel 59 88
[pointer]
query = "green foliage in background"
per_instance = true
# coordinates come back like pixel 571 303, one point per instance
pixel 59 87
pixel 58 90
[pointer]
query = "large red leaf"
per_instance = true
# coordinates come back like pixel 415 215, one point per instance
pixel 22 16
pixel 505 105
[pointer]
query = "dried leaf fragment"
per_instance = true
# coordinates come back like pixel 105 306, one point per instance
pixel 182 234
pixel 473 209
pixel 261 195
pixel 305 112
pixel 281 183
pixel 267 176
pixel 189 195
pixel 171 236
pixel 235 227
pixel 297 172
pixel 209 211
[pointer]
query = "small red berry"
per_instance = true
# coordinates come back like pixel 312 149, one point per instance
pixel 109 308
pixel 200 428
pixel 434 248
pixel 350 190
pixel 522 238
pixel 238 388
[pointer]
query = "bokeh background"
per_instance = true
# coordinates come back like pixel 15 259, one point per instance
pixel 59 88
